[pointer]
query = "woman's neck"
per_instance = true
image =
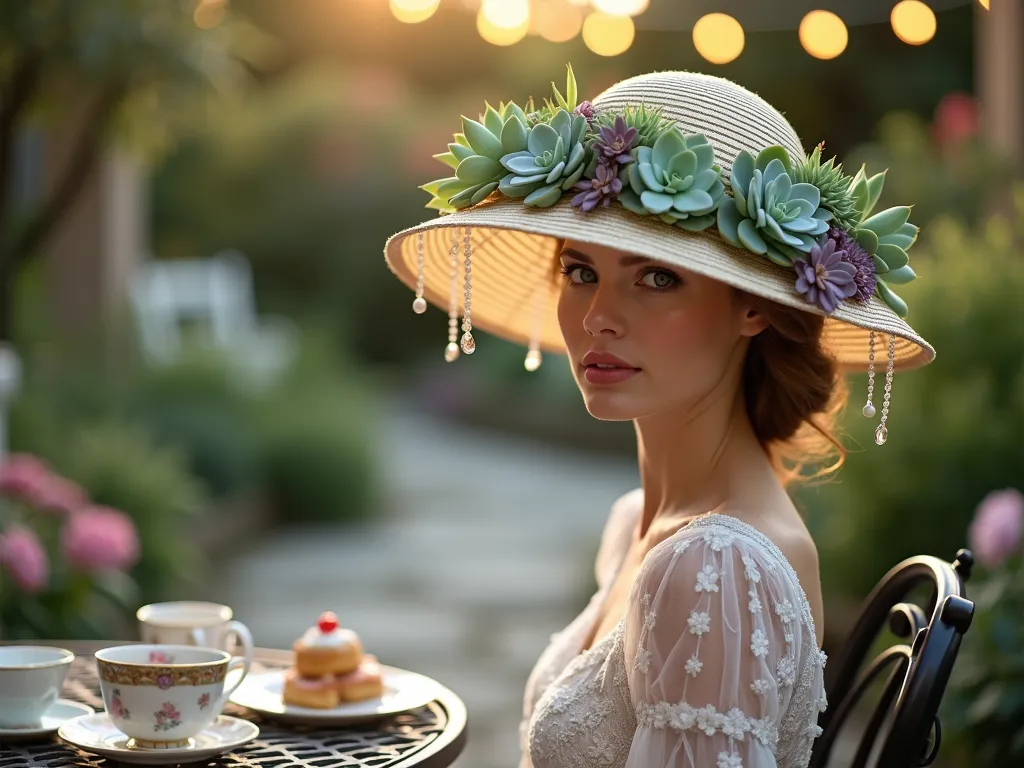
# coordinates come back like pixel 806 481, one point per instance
pixel 702 458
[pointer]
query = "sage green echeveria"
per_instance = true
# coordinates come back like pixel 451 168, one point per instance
pixel 768 214
pixel 552 161
pixel 676 180
pixel 476 154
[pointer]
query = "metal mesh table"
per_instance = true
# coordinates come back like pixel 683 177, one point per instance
pixel 429 737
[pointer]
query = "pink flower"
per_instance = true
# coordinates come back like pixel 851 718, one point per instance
pixel 26 478
pixel 996 529
pixel 22 555
pixel 98 538
pixel 163 682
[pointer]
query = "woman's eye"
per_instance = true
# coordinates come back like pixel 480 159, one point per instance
pixel 659 279
pixel 580 275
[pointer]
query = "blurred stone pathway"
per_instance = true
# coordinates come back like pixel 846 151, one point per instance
pixel 488 550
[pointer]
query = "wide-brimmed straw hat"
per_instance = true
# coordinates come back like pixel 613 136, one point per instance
pixel 682 168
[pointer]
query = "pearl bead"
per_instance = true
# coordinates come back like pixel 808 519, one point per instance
pixel 533 360
pixel 451 352
pixel 419 306
pixel 868 410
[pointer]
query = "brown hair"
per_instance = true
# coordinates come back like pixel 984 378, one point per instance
pixel 794 393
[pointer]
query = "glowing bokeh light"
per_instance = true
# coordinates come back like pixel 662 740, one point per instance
pixel 823 34
pixel 500 35
pixel 913 22
pixel 506 14
pixel 557 21
pixel 209 13
pixel 608 35
pixel 621 7
pixel 718 37
pixel 413 11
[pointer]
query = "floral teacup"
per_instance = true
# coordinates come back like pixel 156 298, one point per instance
pixel 162 705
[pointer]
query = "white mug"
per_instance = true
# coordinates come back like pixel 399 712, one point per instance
pixel 164 704
pixel 31 678
pixel 209 625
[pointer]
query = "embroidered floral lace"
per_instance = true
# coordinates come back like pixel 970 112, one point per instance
pixel 715 664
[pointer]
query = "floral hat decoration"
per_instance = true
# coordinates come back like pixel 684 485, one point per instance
pixel 688 169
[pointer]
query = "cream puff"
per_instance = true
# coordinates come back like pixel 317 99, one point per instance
pixel 327 649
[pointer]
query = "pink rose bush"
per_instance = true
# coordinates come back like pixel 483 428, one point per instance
pixel 995 532
pixel 55 546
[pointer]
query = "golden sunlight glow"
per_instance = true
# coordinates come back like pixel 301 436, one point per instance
pixel 557 21
pixel 413 11
pixel 506 14
pixel 608 35
pixel 913 22
pixel 500 35
pixel 823 34
pixel 984 4
pixel 209 13
pixel 621 7
pixel 718 37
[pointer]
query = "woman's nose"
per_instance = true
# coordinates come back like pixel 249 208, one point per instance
pixel 604 315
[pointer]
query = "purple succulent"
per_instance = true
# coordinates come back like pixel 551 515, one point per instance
pixel 601 190
pixel 586 109
pixel 861 260
pixel 615 141
pixel 826 278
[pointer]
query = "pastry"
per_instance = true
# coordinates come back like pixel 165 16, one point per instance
pixel 312 692
pixel 362 683
pixel 328 691
pixel 327 649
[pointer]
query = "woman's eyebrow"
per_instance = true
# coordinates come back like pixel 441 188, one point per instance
pixel 625 261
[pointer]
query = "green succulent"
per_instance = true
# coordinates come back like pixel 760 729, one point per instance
pixel 648 121
pixel 886 235
pixel 833 184
pixel 552 161
pixel 768 214
pixel 475 156
pixel 676 180
pixel 550 108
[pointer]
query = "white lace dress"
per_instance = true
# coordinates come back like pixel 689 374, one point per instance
pixel 715 665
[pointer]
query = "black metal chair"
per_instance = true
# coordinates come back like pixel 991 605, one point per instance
pixel 918 671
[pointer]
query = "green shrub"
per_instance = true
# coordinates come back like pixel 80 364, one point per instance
pixel 955 427
pixel 120 466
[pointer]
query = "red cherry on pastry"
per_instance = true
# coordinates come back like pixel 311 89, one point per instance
pixel 328 622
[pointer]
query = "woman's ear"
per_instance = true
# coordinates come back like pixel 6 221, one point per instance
pixel 754 321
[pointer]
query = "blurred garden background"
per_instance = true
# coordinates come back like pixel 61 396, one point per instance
pixel 213 388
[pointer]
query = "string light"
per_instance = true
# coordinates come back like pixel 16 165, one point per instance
pixel 913 22
pixel 413 11
pixel 823 34
pixel 608 35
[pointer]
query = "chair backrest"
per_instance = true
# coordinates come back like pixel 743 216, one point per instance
pixel 917 672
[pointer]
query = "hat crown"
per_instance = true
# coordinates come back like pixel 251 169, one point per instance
pixel 728 115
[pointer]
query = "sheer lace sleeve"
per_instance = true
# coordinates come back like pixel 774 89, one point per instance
pixel 714 645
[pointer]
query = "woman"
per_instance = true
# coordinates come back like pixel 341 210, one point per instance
pixel 713 281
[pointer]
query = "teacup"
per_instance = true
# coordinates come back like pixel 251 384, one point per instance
pixel 160 705
pixel 31 678
pixel 184 622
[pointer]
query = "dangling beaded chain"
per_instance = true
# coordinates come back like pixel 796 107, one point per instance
pixel 468 343
pixel 419 304
pixel 451 352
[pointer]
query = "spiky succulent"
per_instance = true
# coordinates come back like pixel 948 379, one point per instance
pixel 552 161
pixel 886 236
pixel 677 180
pixel 648 122
pixel 833 184
pixel 475 155
pixel 550 108
pixel 768 214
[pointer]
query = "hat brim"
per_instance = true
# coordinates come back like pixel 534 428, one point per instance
pixel 515 290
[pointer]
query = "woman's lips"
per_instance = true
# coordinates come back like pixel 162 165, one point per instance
pixel 614 375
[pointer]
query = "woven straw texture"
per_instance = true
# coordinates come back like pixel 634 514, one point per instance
pixel 515 283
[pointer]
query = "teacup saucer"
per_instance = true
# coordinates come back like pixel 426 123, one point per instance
pixel 59 713
pixel 96 734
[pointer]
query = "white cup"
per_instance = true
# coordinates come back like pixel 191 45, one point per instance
pixel 31 678
pixel 209 625
pixel 163 705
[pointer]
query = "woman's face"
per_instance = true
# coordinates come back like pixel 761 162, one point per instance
pixel 645 338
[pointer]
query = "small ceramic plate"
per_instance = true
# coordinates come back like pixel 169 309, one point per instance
pixel 97 735
pixel 59 713
pixel 403 691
